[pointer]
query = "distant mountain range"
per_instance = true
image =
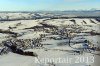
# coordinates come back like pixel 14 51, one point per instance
pixel 75 13
pixel 28 15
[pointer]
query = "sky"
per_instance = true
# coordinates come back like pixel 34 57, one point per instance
pixel 48 5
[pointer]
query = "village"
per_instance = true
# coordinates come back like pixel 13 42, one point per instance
pixel 73 36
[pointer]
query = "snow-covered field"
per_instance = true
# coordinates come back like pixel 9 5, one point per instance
pixel 54 35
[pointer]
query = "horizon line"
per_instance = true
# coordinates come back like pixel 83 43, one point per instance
pixel 46 10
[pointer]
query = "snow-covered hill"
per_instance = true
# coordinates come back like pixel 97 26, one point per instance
pixel 49 38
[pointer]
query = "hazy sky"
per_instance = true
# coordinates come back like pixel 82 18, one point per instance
pixel 34 5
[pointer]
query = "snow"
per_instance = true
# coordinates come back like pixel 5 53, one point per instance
pixel 31 35
pixel 3 37
pixel 12 59
pixel 24 24
pixel 59 22
pixel 49 51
